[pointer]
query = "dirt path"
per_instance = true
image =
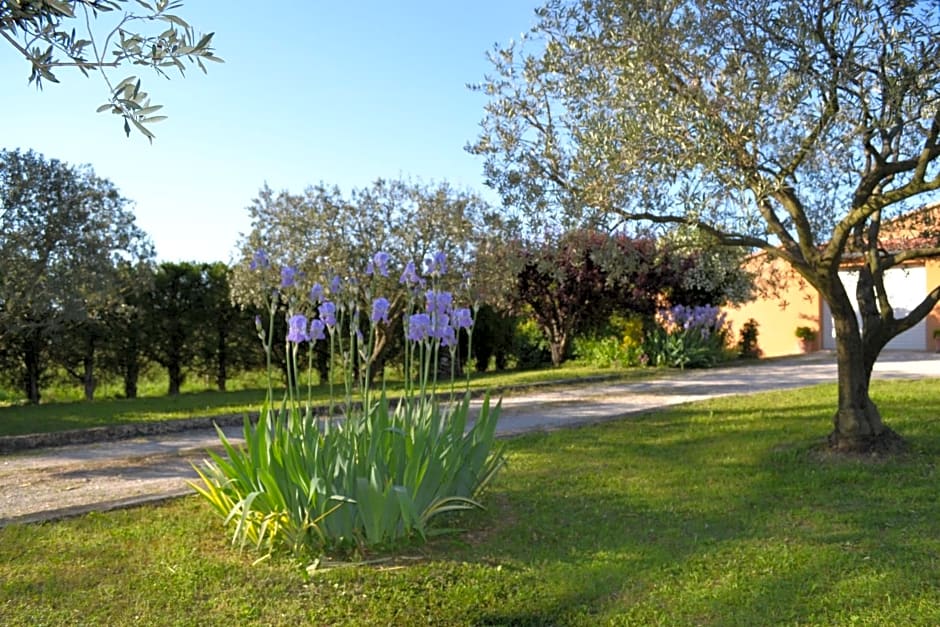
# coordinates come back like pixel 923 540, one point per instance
pixel 51 483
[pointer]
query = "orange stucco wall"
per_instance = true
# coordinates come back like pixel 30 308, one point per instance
pixel 785 301
pixel 933 320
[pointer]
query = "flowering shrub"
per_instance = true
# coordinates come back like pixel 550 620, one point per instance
pixel 370 472
pixel 687 337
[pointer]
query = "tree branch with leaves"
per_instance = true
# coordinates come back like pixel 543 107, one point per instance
pixel 44 32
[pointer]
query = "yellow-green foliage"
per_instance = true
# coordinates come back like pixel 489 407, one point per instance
pixel 629 328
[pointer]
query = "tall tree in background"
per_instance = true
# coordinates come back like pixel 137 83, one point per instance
pixel 63 234
pixel 55 34
pixel 226 339
pixel 795 128
pixel 567 288
pixel 174 312
pixel 123 348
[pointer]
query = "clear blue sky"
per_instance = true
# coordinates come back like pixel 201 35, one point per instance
pixel 340 92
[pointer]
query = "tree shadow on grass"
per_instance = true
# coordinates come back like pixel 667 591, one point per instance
pixel 666 520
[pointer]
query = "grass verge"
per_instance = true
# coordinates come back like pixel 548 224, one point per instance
pixel 715 513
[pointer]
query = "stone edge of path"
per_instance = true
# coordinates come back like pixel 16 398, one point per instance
pixel 52 515
pixel 15 443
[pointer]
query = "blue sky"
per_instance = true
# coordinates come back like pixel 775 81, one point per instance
pixel 339 92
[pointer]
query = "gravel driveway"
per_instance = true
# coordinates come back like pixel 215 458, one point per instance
pixel 52 483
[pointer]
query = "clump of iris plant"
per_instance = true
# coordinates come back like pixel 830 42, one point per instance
pixel 368 472
pixel 686 337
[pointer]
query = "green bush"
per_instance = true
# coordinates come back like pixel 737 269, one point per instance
pixel 618 344
pixel 530 348
pixel 492 338
pixel 747 342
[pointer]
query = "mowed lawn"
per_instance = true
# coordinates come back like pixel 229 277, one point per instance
pixel 716 513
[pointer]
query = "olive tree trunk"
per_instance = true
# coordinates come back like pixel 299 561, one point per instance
pixel 857 424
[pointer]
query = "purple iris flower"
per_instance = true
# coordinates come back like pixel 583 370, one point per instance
pixel 704 318
pixel 288 276
pixel 447 336
pixel 439 302
pixel 335 285
pixel 436 265
pixel 463 318
pixel 440 259
pixel 380 310
pixel 378 264
pixel 259 261
pixel 297 329
pixel 410 275
pixel 381 260
pixel 327 311
pixel 317 328
pixel 419 327
pixel 316 294
pixel 441 326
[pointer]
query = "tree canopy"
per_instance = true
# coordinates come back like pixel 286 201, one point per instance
pixel 64 235
pixel 795 128
pixel 323 234
pixel 56 34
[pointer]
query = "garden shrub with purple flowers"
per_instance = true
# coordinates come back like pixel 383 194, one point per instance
pixel 368 472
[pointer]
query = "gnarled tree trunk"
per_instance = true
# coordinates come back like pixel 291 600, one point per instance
pixel 857 424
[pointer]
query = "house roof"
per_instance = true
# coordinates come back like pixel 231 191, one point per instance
pixel 916 229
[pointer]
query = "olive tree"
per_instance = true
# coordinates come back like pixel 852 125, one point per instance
pixel 322 233
pixel 64 235
pixel 794 128
pixel 56 34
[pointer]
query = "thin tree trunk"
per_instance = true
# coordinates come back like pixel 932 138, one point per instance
pixel 175 374
pixel 131 361
pixel 88 367
pixel 88 376
pixel 131 374
pixel 558 346
pixel 32 359
pixel 221 370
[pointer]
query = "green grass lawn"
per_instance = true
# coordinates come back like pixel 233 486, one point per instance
pixel 59 416
pixel 716 513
